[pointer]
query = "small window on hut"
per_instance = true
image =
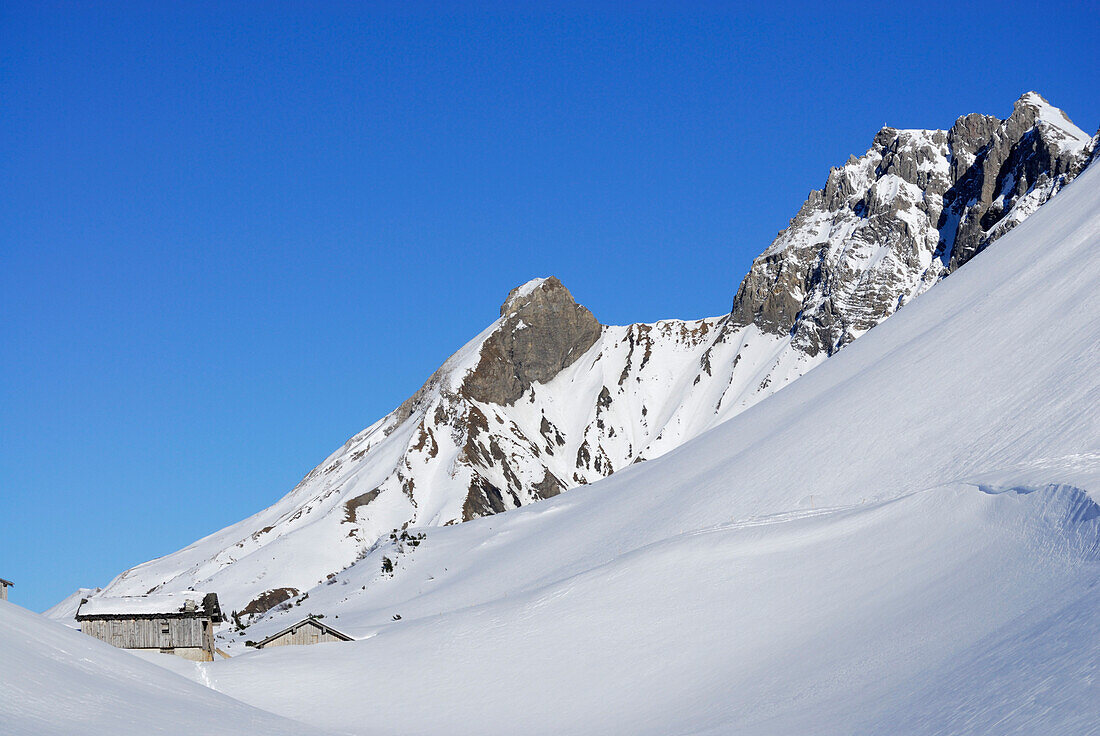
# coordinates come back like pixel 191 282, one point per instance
pixel 164 626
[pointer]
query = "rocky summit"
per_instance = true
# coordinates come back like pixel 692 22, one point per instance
pixel 891 223
pixel 542 332
pixel 547 398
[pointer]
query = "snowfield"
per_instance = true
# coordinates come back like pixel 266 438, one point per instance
pixel 845 621
pixel 905 540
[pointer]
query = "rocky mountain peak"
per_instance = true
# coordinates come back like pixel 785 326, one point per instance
pixel 547 293
pixel 891 223
pixel 1032 108
pixel 542 330
pixel 1029 107
pixel 1024 160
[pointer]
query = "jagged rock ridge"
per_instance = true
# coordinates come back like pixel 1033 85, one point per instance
pixel 891 223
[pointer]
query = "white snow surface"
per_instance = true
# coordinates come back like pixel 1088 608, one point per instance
pixel 905 540
pixel 64 611
pixel 55 681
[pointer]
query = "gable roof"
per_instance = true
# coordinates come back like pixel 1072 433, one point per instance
pixel 7 583
pixel 307 620
pixel 188 604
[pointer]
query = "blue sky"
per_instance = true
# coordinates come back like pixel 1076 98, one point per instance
pixel 232 235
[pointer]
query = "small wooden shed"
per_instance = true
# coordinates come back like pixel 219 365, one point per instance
pixel 172 623
pixel 307 631
pixel 4 585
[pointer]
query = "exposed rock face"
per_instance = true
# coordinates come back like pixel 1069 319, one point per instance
pixel 1024 161
pixel 547 399
pixel 890 224
pixel 268 600
pixel 543 331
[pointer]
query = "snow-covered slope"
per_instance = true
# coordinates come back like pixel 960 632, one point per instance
pixel 64 611
pixel 547 398
pixel 57 681
pixel 905 540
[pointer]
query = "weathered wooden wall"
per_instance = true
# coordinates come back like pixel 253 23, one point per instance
pixel 153 633
pixel 3 592
pixel 305 633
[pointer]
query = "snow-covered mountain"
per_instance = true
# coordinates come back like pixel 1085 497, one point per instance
pixel 905 540
pixel 547 399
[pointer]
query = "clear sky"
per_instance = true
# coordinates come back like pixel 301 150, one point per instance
pixel 233 235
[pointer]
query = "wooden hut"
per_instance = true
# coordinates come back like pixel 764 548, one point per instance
pixel 172 623
pixel 4 585
pixel 307 631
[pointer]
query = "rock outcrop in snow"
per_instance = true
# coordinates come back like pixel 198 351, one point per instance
pixel 547 398
pixel 542 332
pixel 890 224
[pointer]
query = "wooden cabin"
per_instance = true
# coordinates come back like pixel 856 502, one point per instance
pixel 171 623
pixel 307 631
pixel 4 585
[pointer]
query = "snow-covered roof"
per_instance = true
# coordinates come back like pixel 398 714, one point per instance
pixel 187 603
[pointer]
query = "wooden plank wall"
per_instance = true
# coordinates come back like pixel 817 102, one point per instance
pixel 156 633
